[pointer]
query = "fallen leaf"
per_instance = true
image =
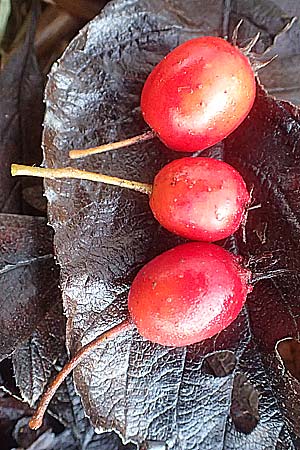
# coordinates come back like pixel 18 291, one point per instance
pixel 28 278
pixel 266 150
pixel 67 408
pixel 21 114
pixel 34 359
pixel 281 78
pixel 11 410
pixel 104 234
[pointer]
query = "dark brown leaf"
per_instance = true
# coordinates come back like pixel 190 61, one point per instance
pixel 34 359
pixel 104 234
pixel 68 409
pixel 281 77
pixel 84 9
pixel 21 113
pixel 289 352
pixel 12 409
pixel 262 16
pixel 28 278
pixel 266 150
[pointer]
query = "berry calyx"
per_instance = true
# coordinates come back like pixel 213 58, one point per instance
pixel 181 297
pixel 197 198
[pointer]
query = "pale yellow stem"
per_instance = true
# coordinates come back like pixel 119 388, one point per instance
pixel 70 172
pixel 112 146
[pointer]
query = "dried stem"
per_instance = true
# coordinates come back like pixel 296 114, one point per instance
pixel 70 172
pixel 37 419
pixel 112 146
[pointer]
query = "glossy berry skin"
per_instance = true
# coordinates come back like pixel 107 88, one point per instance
pixel 188 294
pixel 198 94
pixel 199 198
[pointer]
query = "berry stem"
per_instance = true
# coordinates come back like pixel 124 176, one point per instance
pixel 112 146
pixel 70 172
pixel 37 419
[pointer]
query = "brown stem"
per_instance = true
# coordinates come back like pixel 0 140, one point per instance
pixel 37 419
pixel 112 146
pixel 70 172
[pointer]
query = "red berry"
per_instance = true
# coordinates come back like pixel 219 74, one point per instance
pixel 183 296
pixel 188 294
pixel 198 94
pixel 199 198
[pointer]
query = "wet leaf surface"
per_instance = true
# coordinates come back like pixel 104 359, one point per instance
pixel 28 278
pixel 104 234
pixel 282 78
pixel 67 407
pixel 265 17
pixel 269 162
pixel 34 359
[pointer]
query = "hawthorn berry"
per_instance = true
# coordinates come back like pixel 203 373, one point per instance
pixel 198 94
pixel 195 97
pixel 183 296
pixel 199 198
pixel 188 294
pixel 196 198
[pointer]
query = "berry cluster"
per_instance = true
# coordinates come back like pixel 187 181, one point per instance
pixel 195 97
